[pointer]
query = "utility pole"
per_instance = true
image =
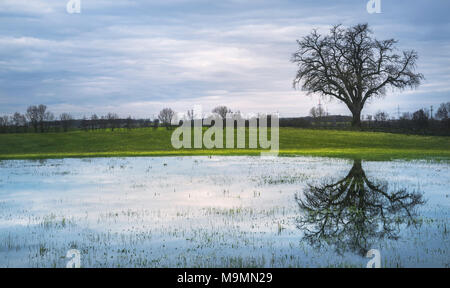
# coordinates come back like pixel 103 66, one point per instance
pixel 431 108
pixel 398 111
pixel 320 109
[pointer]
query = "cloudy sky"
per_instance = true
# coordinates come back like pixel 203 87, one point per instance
pixel 136 57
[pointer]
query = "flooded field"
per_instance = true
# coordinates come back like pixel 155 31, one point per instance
pixel 224 212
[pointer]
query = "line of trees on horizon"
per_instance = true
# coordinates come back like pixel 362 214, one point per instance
pixel 39 119
pixel 422 121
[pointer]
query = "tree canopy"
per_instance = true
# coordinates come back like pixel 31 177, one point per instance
pixel 350 65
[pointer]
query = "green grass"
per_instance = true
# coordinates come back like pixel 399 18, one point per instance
pixel 156 142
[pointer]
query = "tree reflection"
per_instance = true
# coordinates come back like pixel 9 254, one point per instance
pixel 354 212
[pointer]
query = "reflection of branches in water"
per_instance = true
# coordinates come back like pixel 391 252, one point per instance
pixel 354 211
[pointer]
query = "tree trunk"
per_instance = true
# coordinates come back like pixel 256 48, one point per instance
pixel 356 122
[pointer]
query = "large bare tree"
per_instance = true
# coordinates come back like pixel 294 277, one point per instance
pixel 349 64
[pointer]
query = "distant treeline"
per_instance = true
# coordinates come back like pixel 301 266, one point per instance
pixel 421 126
pixel 38 119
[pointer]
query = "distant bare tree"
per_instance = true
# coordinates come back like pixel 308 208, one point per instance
pixel 49 117
pixel 4 123
pixel 317 112
pixel 420 118
pixel 426 111
pixel 165 116
pixel 222 111
pixel 350 65
pixel 406 116
pixel 66 120
pixel 112 120
pixel 94 121
pixel 381 116
pixel 41 110
pixel 38 116
pixel 313 112
pixel 443 111
pixel 33 117
pixel 18 120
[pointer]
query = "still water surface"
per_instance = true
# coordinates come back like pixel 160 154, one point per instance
pixel 224 212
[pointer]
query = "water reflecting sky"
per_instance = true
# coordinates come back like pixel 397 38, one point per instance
pixel 223 211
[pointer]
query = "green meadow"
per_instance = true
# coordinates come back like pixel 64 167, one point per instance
pixel 157 142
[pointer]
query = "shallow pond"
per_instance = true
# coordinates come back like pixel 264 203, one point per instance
pixel 224 212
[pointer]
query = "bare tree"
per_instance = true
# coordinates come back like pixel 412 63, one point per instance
pixel 165 116
pixel 94 121
pixel 381 116
pixel 222 111
pixel 313 112
pixel 66 120
pixel 406 116
pixel 41 109
pixel 4 123
pixel 18 120
pixel 443 111
pixel 352 66
pixel 420 118
pixel 4 120
pixel 32 115
pixel 112 120
pixel 317 112
pixel 49 117
pixel 38 115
